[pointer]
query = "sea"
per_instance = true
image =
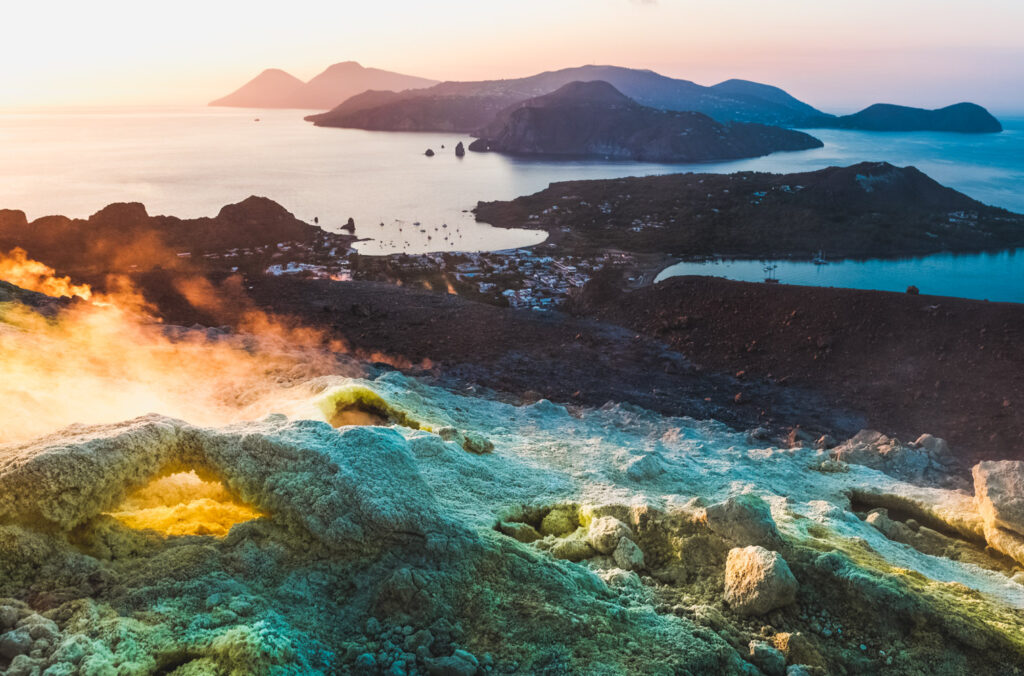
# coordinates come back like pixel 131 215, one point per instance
pixel 191 161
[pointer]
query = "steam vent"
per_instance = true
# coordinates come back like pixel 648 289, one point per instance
pixel 459 535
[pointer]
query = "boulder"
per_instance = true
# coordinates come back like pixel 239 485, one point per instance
pixel 605 533
pixel 767 658
pixel 523 532
pixel 758 581
pixel 572 549
pixel 460 150
pixel 429 153
pixel 999 493
pixel 744 520
pixel 14 643
pixel 894 530
pixel 877 451
pixel 628 555
pixel 559 521
pixel 937 448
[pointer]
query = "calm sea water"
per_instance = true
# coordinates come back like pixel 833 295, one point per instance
pixel 191 161
pixel 987 276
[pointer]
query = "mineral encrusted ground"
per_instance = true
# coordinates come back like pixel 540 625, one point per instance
pixel 592 542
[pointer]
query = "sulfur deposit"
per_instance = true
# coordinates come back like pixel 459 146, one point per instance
pixel 296 524
pixel 389 547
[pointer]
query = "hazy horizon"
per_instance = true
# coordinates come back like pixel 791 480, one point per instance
pixel 838 59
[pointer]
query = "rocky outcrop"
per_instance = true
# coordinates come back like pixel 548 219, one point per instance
pixel 123 236
pixel 758 581
pixel 999 491
pixel 460 150
pixel 593 119
pixel 928 459
pixel 999 496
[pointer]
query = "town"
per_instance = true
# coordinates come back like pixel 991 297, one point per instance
pixel 536 278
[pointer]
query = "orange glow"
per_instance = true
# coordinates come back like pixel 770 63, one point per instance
pixel 18 269
pixel 108 360
pixel 183 504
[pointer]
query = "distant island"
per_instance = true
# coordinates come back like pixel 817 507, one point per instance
pixel 968 118
pixel 467 107
pixel 593 119
pixel 872 209
pixel 274 88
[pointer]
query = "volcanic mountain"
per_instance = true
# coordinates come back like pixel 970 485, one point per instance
pixel 274 88
pixel 467 106
pixel 595 119
pixel 869 209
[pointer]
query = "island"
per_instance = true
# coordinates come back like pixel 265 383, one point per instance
pixel 274 88
pixel 965 118
pixel 868 210
pixel 467 107
pixel 593 119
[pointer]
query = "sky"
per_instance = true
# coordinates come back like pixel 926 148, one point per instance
pixel 837 56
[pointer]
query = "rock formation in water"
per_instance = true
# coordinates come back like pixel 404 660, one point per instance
pixel 274 88
pixel 460 150
pixel 593 119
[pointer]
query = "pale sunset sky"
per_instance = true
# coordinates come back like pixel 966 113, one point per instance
pixel 838 56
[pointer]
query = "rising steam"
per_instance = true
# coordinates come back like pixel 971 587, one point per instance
pixel 106 360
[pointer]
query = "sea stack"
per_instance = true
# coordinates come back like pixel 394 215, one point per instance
pixel 460 150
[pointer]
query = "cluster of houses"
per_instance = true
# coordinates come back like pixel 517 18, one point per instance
pixel 520 278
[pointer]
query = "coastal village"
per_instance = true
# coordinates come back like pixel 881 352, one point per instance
pixel 531 278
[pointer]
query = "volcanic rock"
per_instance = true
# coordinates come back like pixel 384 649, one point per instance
pixel 758 581
pixel 744 520
pixel 999 492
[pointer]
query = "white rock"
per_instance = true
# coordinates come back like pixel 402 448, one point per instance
pixel 757 581
pixel 999 493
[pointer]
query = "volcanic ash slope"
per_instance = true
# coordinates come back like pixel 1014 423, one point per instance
pixel 463 535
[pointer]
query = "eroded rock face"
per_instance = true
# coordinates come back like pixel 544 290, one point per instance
pixel 758 581
pixel 999 493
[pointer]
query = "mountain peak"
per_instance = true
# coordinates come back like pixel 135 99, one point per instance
pixel 344 66
pixel 595 91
